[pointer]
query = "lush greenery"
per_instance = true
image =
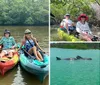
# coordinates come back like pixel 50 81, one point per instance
pixel 75 7
pixel 24 12
pixel 66 37
pixel 76 45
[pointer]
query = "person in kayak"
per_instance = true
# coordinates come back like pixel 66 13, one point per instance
pixel 8 40
pixel 67 25
pixel 8 43
pixel 31 45
pixel 83 29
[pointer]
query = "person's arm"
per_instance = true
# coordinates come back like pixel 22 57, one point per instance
pixel 66 26
pixel 38 45
pixel 1 39
pixel 22 43
pixel 73 24
pixel 88 28
pixel 14 43
pixel 34 39
pixel 78 27
pixel 62 23
pixel 20 46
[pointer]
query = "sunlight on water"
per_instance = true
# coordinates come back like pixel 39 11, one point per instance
pixel 18 80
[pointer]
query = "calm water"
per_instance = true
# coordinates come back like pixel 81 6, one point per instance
pixel 18 76
pixel 79 72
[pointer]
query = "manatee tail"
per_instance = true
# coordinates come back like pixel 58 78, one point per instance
pixel 58 58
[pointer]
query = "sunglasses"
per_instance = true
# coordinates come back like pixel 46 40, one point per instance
pixel 83 16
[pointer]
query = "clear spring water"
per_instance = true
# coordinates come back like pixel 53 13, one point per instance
pixel 80 72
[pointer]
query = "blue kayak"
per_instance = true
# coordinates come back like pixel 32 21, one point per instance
pixel 40 69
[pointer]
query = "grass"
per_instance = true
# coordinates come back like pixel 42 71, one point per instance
pixel 76 45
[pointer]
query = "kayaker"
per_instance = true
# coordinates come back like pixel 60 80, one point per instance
pixel 8 40
pixel 31 45
pixel 83 29
pixel 67 25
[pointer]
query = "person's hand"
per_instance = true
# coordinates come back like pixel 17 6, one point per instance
pixel 90 33
pixel 12 47
pixel 32 36
pixel 18 49
pixel 84 33
pixel 44 52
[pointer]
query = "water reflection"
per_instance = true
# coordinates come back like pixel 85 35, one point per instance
pixel 18 80
pixel 18 76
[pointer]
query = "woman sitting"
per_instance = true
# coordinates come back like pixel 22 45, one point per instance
pixel 83 29
pixel 67 25
pixel 31 45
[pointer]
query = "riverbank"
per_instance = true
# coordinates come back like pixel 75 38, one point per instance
pixel 54 35
pixel 76 45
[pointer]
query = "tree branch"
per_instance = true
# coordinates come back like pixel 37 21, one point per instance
pixel 97 2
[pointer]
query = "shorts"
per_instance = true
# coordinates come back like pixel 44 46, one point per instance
pixel 71 28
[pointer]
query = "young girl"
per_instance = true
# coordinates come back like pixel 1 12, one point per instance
pixel 31 45
pixel 83 29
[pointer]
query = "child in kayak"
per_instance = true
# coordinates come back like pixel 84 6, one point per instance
pixel 8 40
pixel 67 25
pixel 83 29
pixel 31 45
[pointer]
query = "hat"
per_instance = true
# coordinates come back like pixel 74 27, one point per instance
pixel 83 15
pixel 66 15
pixel 6 31
pixel 27 31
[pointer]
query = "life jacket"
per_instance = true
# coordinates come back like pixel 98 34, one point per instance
pixel 29 44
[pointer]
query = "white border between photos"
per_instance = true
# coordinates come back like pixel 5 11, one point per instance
pixel 73 42
pixel 49 41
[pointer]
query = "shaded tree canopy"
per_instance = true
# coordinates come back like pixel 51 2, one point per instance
pixel 75 7
pixel 24 12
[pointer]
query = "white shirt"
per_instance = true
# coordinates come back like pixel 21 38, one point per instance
pixel 65 21
pixel 81 28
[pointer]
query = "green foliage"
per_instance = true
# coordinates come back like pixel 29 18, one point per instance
pixel 66 37
pixel 24 12
pixel 76 45
pixel 75 7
